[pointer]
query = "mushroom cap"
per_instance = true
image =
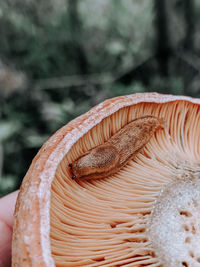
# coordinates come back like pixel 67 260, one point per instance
pixel 108 222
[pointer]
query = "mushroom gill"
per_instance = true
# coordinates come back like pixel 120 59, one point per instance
pixel 134 217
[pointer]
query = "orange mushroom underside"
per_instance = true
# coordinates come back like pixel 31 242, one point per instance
pixel 109 221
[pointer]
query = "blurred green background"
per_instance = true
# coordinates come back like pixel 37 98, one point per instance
pixel 58 58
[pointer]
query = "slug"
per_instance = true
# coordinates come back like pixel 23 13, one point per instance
pixel 108 158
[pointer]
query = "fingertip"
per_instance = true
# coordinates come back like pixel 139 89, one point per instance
pixel 5 244
pixel 7 207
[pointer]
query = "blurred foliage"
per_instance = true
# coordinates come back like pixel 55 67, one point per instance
pixel 59 58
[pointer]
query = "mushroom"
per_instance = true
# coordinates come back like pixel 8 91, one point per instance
pixel 146 213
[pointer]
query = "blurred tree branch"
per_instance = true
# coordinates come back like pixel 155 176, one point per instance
pixel 74 80
pixel 82 80
pixel 163 38
pixel 76 36
pixel 190 25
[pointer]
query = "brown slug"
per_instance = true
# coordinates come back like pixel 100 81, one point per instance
pixel 108 158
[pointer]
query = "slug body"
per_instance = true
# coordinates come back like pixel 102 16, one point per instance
pixel 108 158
